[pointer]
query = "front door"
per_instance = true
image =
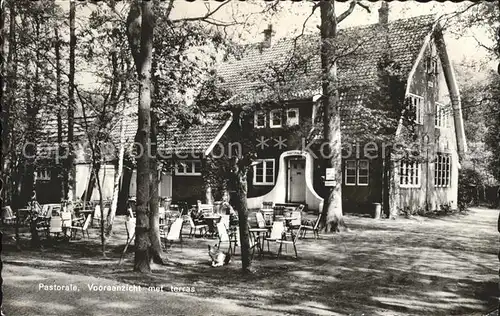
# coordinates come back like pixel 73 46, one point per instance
pixel 296 180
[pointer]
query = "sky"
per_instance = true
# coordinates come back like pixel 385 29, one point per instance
pixel 288 21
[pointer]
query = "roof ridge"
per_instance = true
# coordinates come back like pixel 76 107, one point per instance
pixel 364 26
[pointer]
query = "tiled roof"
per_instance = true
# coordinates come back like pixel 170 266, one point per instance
pixel 252 77
pixel 361 47
pixel 195 139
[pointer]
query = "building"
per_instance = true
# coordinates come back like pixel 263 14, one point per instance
pixel 289 172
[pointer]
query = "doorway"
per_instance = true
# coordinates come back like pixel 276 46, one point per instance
pixel 296 180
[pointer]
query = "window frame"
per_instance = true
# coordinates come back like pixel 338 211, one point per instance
pixel 45 172
pixel 417 103
pixel 416 169
pixel 185 172
pixel 264 163
pixel 441 118
pixel 271 124
pixel 356 175
pixel 256 119
pixel 296 119
pixel 442 170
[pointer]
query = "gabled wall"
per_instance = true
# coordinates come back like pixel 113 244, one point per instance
pixel 432 139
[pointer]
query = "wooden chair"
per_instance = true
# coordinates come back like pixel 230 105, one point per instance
pixel 202 228
pixel 55 226
pixel 295 223
pixel 225 237
pixel 288 239
pixel 66 221
pixel 81 225
pixel 253 240
pixel 161 214
pixel 305 228
pixel 174 233
pixel 277 232
pixel 8 216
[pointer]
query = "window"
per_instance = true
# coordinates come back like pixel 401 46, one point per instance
pixel 43 174
pixel 188 168
pixel 275 118
pixel 442 170
pixel 417 105
pixel 362 172
pixel 356 172
pixel 263 172
pixel 292 117
pixel 442 117
pixel 260 119
pixel 409 174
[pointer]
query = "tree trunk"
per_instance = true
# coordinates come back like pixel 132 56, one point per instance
pixel 124 192
pixel 116 182
pixel 207 180
pixel 60 168
pixel 101 204
pixel 332 207
pixel 3 78
pixel 242 207
pixel 154 220
pixel 70 162
pixel 140 25
pixel 89 190
pixel 394 188
pixel 9 76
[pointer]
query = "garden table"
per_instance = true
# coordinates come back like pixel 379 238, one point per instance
pixel 260 231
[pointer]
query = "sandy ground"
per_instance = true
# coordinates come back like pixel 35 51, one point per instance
pixel 418 266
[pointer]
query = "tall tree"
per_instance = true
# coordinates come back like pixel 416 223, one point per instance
pixel 70 168
pixel 140 28
pixel 332 207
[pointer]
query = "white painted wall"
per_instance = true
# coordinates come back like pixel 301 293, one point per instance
pixel 278 193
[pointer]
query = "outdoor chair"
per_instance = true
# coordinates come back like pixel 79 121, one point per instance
pixel 7 215
pixel 277 232
pixel 267 205
pixel 161 214
pixel 208 208
pixel 81 225
pixel 261 222
pixel 45 209
pixel 225 237
pixel 279 235
pixel 288 239
pixel 305 228
pixel 253 241
pixel 202 228
pixel 55 226
pixel 295 223
pixel 174 234
pixel 66 220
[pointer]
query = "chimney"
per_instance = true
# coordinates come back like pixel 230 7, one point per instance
pixel 383 13
pixel 268 34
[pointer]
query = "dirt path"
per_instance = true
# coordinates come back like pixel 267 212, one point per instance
pixel 420 266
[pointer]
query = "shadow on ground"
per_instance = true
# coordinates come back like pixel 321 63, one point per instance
pixel 419 266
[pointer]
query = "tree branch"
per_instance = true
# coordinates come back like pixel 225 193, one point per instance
pixel 202 18
pixel 346 13
pixel 351 9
